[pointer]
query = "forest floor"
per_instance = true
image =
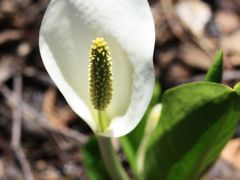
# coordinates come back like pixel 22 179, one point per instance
pixel 41 136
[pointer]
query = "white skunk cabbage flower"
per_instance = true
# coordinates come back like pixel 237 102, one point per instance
pixel 73 30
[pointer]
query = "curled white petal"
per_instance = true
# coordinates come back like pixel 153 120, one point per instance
pixel 66 33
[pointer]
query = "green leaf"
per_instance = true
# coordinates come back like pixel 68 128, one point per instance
pixel 196 122
pixel 215 72
pixel 93 161
pixel 237 88
pixel 131 142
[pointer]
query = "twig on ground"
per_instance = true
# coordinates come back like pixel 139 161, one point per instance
pixel 30 114
pixel 17 113
pixel 17 128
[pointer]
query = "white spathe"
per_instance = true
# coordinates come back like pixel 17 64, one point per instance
pixel 66 33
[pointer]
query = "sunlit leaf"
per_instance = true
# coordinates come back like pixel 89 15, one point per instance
pixel 215 72
pixel 196 122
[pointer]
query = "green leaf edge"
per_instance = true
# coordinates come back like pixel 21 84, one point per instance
pixel 215 72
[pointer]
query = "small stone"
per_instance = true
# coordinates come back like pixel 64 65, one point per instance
pixel 23 49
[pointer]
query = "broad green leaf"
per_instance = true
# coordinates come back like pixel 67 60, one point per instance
pixel 93 161
pixel 215 72
pixel 131 142
pixel 196 122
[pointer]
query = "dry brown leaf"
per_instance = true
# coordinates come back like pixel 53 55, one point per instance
pixel 58 117
pixel 163 32
pixel 2 173
pixel 231 153
pixel 7 67
pixel 7 6
pixel 194 57
pixel 194 15
pixel 10 35
pixel 230 43
pixel 234 60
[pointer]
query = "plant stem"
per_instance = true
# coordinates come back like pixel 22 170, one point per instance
pixel 110 159
pixel 102 120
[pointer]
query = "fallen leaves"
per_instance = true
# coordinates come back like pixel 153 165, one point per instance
pixel 57 116
pixel 231 153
